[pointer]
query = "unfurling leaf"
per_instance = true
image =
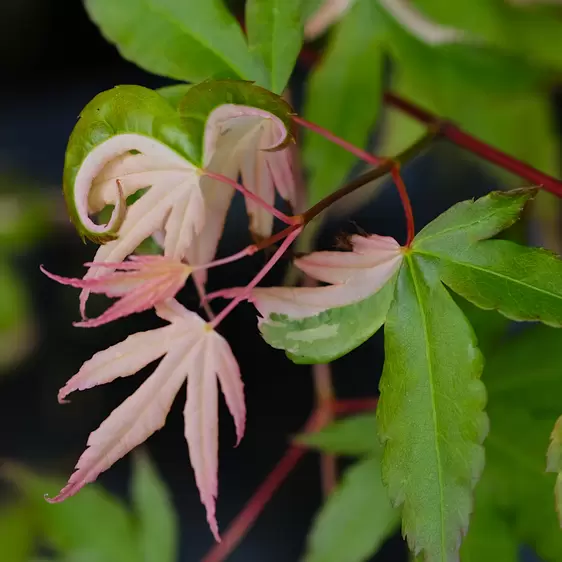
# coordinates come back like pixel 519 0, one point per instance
pixel 355 520
pixel 354 436
pixel 132 140
pixel 275 31
pixel 188 40
pixel 158 529
pixel 430 413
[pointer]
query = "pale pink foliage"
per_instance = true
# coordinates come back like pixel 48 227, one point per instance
pixel 353 276
pixel 141 282
pixel 191 351
pixel 184 210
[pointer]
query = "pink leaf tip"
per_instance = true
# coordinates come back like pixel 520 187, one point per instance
pixel 140 282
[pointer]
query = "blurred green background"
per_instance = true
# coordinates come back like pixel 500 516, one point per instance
pixel 493 66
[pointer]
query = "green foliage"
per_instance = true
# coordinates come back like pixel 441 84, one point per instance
pixel 533 34
pixel 470 221
pixel 521 283
pixel 430 415
pixel 353 436
pixel 331 333
pixel 16 533
pixel 514 503
pixel 16 332
pixel 275 32
pixel 92 526
pixel 187 40
pixel 508 94
pixel 158 527
pixel 93 521
pixel 432 363
pixel 356 519
pixel 344 95
pixel 174 94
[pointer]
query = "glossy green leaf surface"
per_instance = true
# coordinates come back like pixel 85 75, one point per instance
pixel 354 436
pixel 188 40
pixel 275 32
pixel 174 94
pixel 332 333
pixel 521 283
pixel 123 110
pixel 158 531
pixel 344 95
pixel 431 413
pixel 355 520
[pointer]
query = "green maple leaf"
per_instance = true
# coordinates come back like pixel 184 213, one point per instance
pixel 431 412
pixel 357 517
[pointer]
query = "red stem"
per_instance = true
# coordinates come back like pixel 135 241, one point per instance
pixel 459 137
pixel 399 182
pixel 371 159
pixel 247 291
pixel 355 405
pixel 251 511
pixel 245 519
pixel 255 198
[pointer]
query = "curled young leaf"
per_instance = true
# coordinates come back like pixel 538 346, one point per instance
pixel 243 130
pixel 130 134
pixel 131 141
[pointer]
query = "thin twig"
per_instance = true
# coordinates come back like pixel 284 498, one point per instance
pixel 467 141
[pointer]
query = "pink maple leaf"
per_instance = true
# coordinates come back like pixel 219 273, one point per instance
pixel 192 351
pixel 142 282
pixel 353 276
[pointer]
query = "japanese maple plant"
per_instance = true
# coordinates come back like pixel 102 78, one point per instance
pixel 161 167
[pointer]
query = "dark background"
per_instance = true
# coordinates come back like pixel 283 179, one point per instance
pixel 52 62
